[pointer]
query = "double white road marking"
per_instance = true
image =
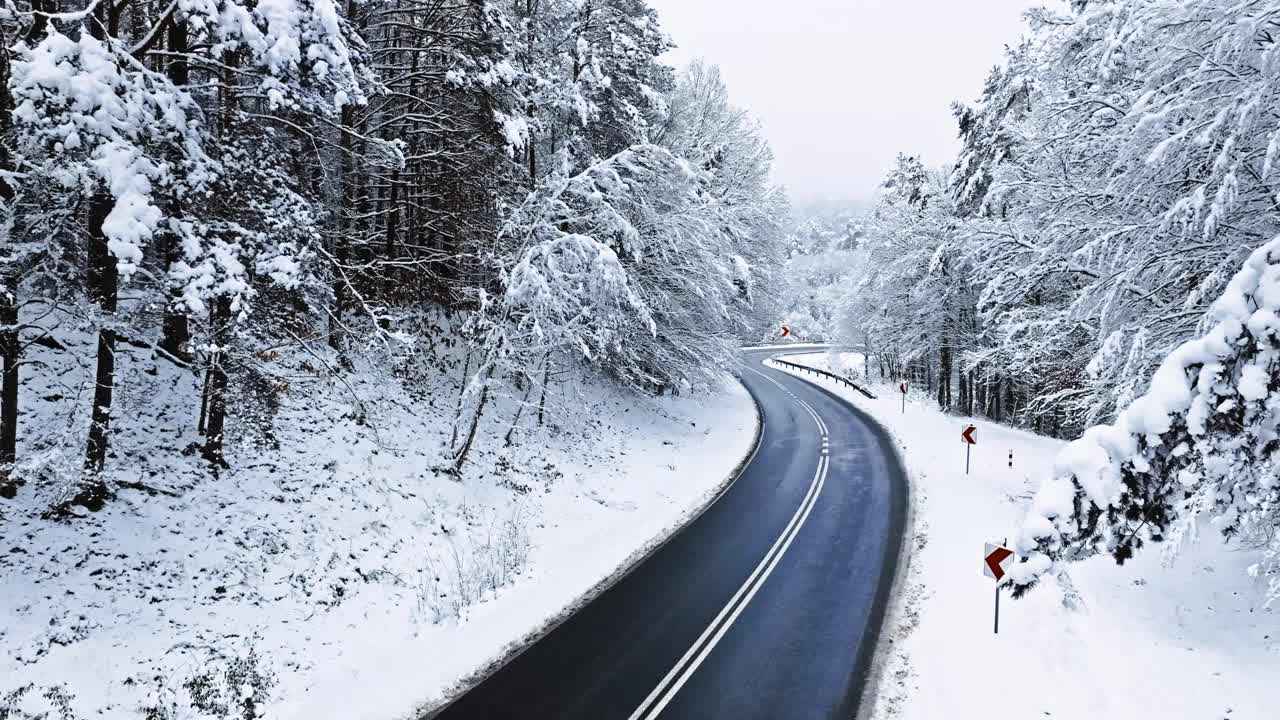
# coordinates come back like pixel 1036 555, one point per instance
pixel 707 641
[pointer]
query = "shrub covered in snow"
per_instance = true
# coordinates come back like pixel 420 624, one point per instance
pixel 1204 442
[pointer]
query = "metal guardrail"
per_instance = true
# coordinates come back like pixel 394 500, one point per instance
pixel 824 373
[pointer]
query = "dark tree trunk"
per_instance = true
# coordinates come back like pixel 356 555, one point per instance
pixel 980 392
pixel 341 242
pixel 103 281
pixel 542 400
pixel 460 455
pixel 204 402
pixel 217 386
pixel 515 421
pixel 393 227
pixel 8 307
pixel 9 395
pixel 530 7
pixel 175 338
pixel 944 376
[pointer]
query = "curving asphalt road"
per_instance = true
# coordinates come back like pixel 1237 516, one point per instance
pixel 766 606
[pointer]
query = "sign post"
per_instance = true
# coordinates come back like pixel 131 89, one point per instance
pixel 903 388
pixel 995 629
pixel 996 558
pixel 969 442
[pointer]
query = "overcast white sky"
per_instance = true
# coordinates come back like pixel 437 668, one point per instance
pixel 843 85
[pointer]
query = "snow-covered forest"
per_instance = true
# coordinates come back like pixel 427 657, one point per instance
pixel 1115 199
pixel 322 323
pixel 214 186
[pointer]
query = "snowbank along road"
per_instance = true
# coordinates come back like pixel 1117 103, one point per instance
pixel 767 605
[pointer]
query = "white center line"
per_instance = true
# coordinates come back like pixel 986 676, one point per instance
pixel 680 673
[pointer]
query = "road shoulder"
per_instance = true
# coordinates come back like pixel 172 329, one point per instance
pixel 1200 625
pixel 625 568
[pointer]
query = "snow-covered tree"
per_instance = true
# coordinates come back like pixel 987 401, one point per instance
pixel 1121 162
pixel 1115 173
pixel 1202 444
pixel 229 177
pixel 1116 168
pixel 645 265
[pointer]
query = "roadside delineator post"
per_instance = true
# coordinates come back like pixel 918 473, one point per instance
pixel 903 388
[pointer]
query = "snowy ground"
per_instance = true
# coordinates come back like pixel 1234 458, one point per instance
pixel 1188 640
pixel 331 573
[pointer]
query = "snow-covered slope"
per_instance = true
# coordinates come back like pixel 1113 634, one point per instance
pixel 1191 639
pixel 331 572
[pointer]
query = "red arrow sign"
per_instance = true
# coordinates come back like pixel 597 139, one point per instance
pixel 967 435
pixel 994 559
pixel 785 331
pixel 903 388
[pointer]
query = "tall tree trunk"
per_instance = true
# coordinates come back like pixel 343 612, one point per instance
pixel 393 227
pixel 8 299
pixel 944 376
pixel 346 197
pixel 980 391
pixel 103 281
pixel 175 335
pixel 217 385
pixel 530 8
pixel 968 393
pixel 341 241
pixel 204 402
pixel 515 421
pixel 460 454
pixel 9 394
pixel 214 404
pixel 546 376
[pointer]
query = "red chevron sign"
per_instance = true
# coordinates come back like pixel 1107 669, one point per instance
pixel 995 560
pixel 967 435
